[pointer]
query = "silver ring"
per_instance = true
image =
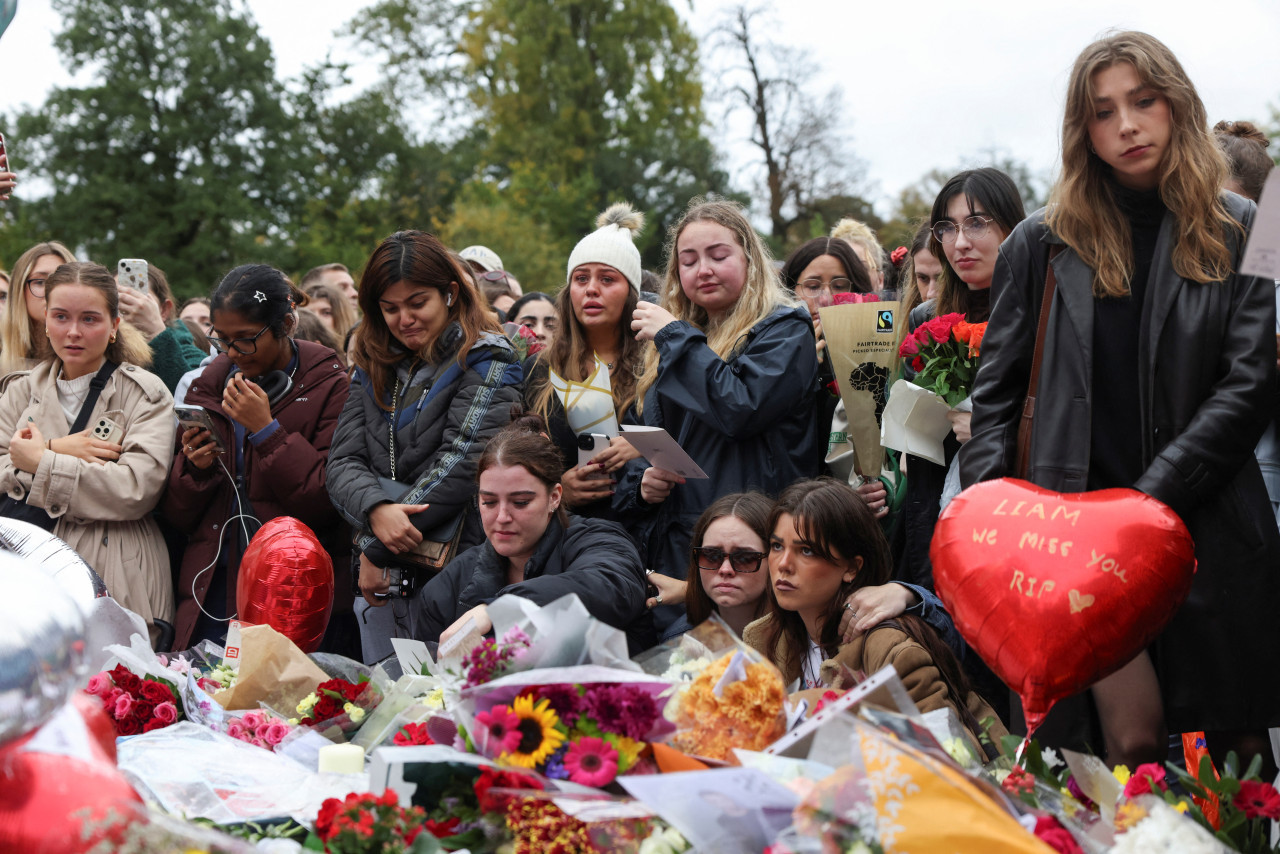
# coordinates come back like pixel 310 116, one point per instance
pixel 648 572
pixel 658 599
pixel 849 607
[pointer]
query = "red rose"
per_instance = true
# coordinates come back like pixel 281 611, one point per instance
pixel 441 829
pixel 125 679
pixel 128 726
pixel 1052 833
pixel 329 811
pixel 156 692
pixel 155 724
pixel 910 346
pixel 939 329
pixel 1258 800
pixel 917 364
pixel 1146 780
pixel 490 779
pixel 143 710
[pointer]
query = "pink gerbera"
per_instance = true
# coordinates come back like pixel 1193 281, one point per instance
pixel 591 762
pixel 499 731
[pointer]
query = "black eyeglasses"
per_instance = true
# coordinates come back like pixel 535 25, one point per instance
pixel 244 346
pixel 741 561
pixel 36 286
pixel 974 227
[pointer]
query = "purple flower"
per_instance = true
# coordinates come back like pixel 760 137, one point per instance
pixel 621 709
pixel 564 699
pixel 555 769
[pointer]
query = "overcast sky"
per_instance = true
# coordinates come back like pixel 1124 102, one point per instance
pixel 926 84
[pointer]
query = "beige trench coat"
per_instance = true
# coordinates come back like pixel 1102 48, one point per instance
pixel 103 511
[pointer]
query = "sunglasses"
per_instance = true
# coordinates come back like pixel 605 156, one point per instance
pixel 741 561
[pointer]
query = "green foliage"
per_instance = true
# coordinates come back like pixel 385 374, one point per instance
pixel 171 150
pixel 588 102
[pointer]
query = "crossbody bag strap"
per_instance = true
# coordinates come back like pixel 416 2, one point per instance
pixel 1029 404
pixel 96 385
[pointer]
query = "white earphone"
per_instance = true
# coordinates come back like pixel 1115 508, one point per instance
pixel 449 301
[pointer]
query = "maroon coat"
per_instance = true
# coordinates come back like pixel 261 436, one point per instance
pixel 284 476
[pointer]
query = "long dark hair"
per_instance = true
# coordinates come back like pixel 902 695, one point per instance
pixel 993 191
pixel 838 526
pixel 753 509
pixel 811 251
pixel 421 260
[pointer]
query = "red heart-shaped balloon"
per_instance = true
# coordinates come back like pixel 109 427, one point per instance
pixel 286 581
pixel 1057 591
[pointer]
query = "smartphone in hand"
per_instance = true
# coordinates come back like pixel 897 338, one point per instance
pixel 132 273
pixel 195 416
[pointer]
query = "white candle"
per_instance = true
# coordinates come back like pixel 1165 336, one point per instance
pixel 342 759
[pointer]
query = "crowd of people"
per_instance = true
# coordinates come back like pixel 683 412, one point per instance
pixel 451 439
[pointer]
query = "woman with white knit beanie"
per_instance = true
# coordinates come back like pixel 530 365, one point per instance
pixel 593 350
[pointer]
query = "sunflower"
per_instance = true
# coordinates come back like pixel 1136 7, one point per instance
pixel 539 737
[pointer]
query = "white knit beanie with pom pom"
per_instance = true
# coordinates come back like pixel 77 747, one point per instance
pixel 612 243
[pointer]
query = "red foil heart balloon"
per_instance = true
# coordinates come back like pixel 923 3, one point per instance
pixel 1057 591
pixel 286 582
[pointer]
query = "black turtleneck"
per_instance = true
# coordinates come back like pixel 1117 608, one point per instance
pixel 1116 444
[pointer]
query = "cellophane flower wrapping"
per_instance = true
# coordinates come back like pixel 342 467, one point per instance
pixel 585 724
pixel 725 695
pixel 541 822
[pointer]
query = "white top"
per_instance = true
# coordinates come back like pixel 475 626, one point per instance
pixel 811 666
pixel 71 395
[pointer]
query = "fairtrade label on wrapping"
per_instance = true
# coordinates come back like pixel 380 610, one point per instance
pixel 862 344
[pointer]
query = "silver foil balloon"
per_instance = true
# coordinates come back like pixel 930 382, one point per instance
pixel 52 557
pixel 42 650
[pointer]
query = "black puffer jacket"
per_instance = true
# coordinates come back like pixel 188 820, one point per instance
pixel 592 558
pixel 446 415
pixel 1206 377
pixel 747 421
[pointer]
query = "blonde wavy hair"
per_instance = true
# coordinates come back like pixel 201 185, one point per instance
pixel 762 293
pixel 21 338
pixel 1082 206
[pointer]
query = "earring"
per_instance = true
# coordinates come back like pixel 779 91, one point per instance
pixel 112 339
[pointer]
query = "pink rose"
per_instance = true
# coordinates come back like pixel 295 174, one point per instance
pixel 235 729
pixel 276 733
pixel 166 712
pixel 257 742
pixel 100 685
pixel 123 706
pixel 254 719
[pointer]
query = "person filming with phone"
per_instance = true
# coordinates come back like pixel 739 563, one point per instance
pixel 254 445
pixel 86 437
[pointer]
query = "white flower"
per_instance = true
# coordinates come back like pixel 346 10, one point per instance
pixel 1166 830
pixel 1052 759
pixel 664 840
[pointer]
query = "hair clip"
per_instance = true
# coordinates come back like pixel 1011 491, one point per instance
pixel 259 296
pixel 897 255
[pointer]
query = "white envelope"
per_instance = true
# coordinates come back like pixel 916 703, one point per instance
pixel 662 451
pixel 915 422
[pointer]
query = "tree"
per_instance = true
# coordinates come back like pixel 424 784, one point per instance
pixel 172 151
pixel 588 102
pixel 800 138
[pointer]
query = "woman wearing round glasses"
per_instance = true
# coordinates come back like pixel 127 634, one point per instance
pixel 973 213
pixel 274 403
pixel 23 343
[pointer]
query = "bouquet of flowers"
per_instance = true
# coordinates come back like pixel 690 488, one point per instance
pixel 135 704
pixel 585 724
pixel 337 702
pixel 370 824
pixel 261 729
pixel 737 701
pixel 944 354
pixel 491 659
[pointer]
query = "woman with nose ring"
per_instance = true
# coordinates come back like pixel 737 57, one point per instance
pixel 435 379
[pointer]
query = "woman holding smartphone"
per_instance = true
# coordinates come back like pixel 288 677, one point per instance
pixel 100 492
pixel 273 403
pixel 23 343
pixel 1158 375
pixel 435 378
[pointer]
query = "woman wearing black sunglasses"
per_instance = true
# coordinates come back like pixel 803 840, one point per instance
pixel 730 560
pixel 274 403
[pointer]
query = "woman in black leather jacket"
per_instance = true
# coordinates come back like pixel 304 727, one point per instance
pixel 1158 372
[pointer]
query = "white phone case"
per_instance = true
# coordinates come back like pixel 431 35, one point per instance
pixel 132 273
pixel 108 431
